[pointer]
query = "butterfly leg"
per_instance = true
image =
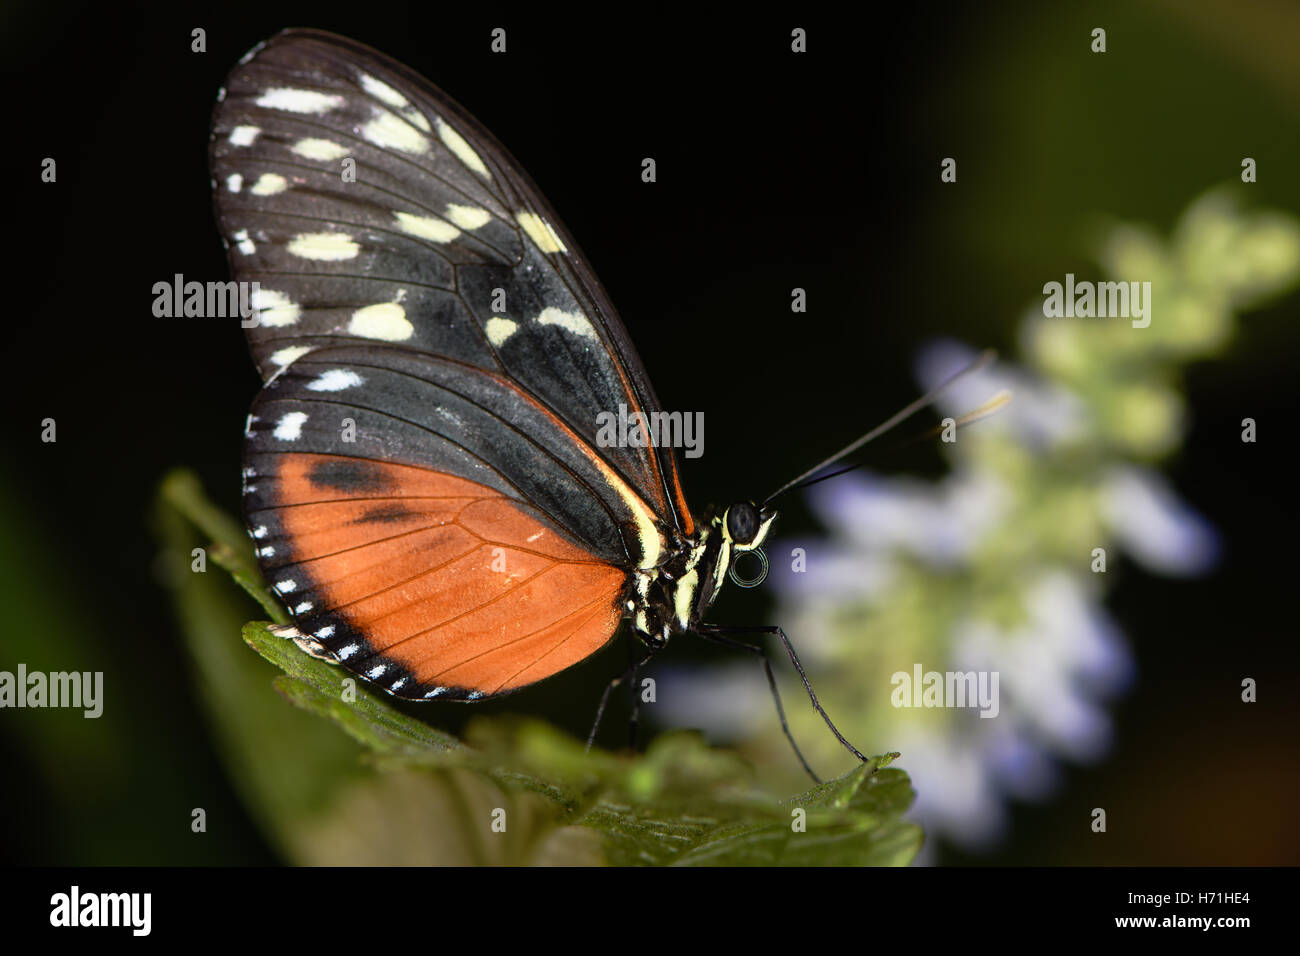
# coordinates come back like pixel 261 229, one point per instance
pixel 629 674
pixel 634 666
pixel 718 635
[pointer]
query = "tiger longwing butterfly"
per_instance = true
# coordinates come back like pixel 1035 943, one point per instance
pixel 422 478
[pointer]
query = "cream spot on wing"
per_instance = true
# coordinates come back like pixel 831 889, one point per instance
pixel 389 131
pixel 574 322
pixel 382 91
pixel 468 217
pixel 499 329
pixel 289 427
pixel 292 353
pixel 268 184
pixel 335 380
pixel 299 101
pixel 540 231
pixel 385 321
pixel 245 245
pixel 324 246
pixel 386 94
pixel 234 182
pixel 437 230
pixel 462 150
pixel 274 308
pixel 319 149
pixel 244 135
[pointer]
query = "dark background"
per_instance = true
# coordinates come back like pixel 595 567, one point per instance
pixel 775 171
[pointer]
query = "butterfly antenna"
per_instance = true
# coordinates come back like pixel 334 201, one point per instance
pixel 994 404
pixel 899 417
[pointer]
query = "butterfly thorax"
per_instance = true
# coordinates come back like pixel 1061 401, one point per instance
pixel 672 597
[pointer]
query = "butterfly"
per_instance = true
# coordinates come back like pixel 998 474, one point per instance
pixel 424 482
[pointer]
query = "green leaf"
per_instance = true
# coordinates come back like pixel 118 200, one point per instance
pixel 515 791
pixel 318 686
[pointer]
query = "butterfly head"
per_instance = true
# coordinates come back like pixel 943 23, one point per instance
pixel 745 525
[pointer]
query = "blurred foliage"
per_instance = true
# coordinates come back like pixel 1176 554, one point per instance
pixel 380 786
pixel 1032 492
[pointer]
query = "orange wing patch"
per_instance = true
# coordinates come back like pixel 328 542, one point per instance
pixel 430 584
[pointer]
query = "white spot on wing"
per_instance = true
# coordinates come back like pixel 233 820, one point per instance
pixel 348 651
pixel 299 101
pixel 244 135
pixel 462 150
pixel 289 354
pixel 390 131
pixel 289 427
pixel 386 94
pixel 574 322
pixel 540 231
pixel 286 586
pixel 234 182
pixel 385 321
pixel 268 184
pixel 335 380
pixel 245 245
pixel 468 217
pixel 382 91
pixel 274 308
pixel 319 149
pixel 324 246
pixel 260 531
pixel 499 329
pixel 436 230
pixel 302 608
pixel 325 632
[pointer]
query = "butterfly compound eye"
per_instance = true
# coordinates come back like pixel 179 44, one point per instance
pixel 742 522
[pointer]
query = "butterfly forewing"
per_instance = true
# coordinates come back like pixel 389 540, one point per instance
pixel 422 478
pixel 441 244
